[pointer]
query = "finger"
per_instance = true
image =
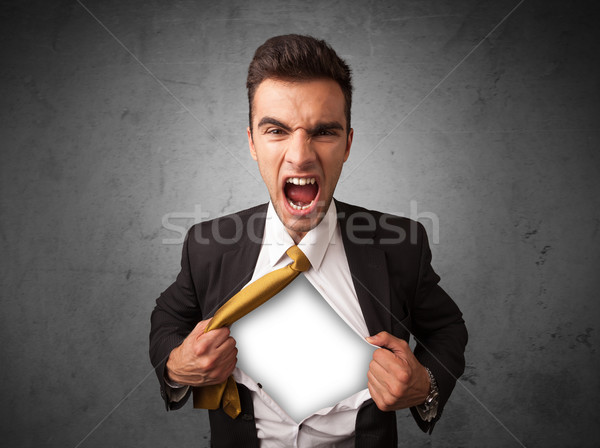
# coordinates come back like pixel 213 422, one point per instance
pixel 215 361
pixel 225 352
pixel 384 339
pixel 214 338
pixel 385 377
pixel 231 365
pixel 389 361
pixel 226 347
pixel 377 391
pixel 209 344
pixel 378 369
pixel 388 392
pixel 391 371
pixel 200 326
pixel 223 367
pixel 222 374
pixel 374 383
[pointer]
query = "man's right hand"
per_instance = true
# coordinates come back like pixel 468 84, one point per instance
pixel 203 358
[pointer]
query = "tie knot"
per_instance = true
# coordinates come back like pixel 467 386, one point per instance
pixel 301 262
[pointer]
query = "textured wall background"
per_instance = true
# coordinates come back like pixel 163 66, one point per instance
pixel 117 114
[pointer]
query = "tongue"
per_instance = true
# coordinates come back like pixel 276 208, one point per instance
pixel 301 194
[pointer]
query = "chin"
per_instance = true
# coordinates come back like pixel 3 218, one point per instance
pixel 301 227
pixel 302 222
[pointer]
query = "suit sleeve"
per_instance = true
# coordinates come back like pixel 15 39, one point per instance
pixel 439 330
pixel 175 315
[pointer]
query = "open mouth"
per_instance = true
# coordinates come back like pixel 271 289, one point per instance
pixel 301 192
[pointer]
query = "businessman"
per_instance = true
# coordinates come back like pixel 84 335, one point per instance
pixel 373 268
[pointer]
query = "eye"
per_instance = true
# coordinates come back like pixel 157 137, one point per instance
pixel 274 131
pixel 325 132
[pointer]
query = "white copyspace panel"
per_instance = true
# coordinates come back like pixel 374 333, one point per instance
pixel 301 352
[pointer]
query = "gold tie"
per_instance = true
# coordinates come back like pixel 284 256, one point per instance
pixel 245 301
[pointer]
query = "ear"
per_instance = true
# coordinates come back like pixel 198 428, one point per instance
pixel 348 144
pixel 251 143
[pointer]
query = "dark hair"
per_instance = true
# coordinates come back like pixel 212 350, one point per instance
pixel 298 58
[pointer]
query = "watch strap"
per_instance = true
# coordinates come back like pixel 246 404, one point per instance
pixel 428 410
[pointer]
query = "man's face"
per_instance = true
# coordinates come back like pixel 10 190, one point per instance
pixel 300 142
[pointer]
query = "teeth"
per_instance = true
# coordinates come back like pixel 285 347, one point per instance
pixel 301 180
pixel 297 207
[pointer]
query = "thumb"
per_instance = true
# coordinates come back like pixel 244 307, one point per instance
pixel 392 343
pixel 200 326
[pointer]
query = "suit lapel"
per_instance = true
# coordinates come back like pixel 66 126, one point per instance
pixel 237 265
pixel 368 267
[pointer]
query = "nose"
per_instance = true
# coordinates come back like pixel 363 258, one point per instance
pixel 300 153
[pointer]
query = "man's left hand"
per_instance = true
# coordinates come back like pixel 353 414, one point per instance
pixel 397 380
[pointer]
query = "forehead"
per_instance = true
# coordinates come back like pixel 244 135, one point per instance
pixel 299 103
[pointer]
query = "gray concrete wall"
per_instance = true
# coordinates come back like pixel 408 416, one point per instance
pixel 117 114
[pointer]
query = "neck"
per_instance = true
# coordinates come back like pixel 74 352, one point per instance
pixel 296 236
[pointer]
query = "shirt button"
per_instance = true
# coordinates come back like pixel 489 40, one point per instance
pixel 259 385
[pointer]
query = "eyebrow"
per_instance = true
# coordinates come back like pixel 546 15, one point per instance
pixel 269 120
pixel 326 126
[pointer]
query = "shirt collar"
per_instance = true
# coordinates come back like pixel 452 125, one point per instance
pixel 314 244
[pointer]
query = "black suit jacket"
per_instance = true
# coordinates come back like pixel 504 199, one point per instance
pixel 398 292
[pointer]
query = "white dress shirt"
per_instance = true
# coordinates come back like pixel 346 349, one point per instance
pixel 332 426
pixel 330 276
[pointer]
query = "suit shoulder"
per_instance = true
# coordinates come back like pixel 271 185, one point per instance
pixel 228 230
pixel 382 226
pixel 243 215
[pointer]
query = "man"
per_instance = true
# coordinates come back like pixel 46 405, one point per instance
pixel 299 133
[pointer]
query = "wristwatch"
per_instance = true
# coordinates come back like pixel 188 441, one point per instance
pixel 428 410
